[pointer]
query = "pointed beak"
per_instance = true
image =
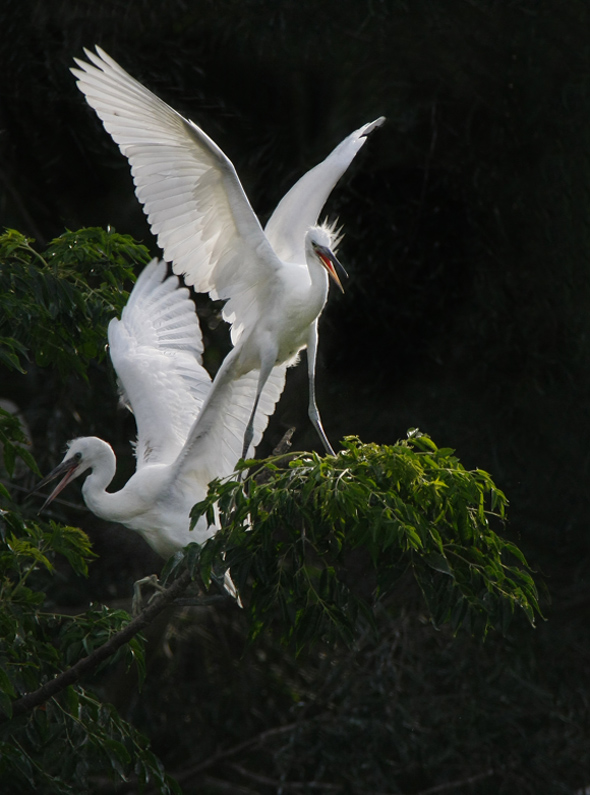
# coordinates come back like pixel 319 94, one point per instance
pixel 331 264
pixel 66 470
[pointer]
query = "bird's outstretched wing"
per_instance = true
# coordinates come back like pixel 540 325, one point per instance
pixel 191 193
pixel 156 349
pixel 300 207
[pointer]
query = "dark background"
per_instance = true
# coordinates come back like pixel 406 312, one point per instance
pixel 467 241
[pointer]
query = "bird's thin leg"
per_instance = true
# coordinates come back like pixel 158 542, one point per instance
pixel 265 370
pixel 249 434
pixel 313 411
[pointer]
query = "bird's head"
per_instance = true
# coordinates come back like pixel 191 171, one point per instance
pixel 80 456
pixel 322 241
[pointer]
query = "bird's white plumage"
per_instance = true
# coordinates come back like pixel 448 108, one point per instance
pixel 191 193
pixel 156 349
pixel 184 439
pixel 275 283
pixel 300 208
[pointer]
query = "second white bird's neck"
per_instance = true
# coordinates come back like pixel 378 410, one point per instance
pixel 103 468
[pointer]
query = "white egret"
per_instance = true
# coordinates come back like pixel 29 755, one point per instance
pixel 275 281
pixel 182 444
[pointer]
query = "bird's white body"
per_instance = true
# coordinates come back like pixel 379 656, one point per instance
pixel 150 503
pixel 274 281
pixel 184 438
pixel 296 295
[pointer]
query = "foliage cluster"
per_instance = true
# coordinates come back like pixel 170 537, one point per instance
pixel 73 736
pixel 56 305
pixel 298 530
pixel 54 310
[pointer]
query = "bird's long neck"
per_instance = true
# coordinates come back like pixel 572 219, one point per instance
pixel 103 471
pixel 318 289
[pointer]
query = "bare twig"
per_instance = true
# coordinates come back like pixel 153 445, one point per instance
pixel 259 739
pixel 86 664
pixel 294 786
pixel 297 786
pixel 228 786
pixel 186 774
pixel 463 782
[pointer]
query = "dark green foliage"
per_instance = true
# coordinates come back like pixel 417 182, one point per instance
pixel 57 307
pixel 12 437
pixel 74 735
pixel 59 303
pixel 296 531
pixel 72 739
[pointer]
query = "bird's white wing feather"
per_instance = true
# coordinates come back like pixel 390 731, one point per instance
pixel 215 442
pixel 243 392
pixel 191 193
pixel 156 349
pixel 300 207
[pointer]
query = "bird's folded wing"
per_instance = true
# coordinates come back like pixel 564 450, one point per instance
pixel 191 193
pixel 300 207
pixel 156 349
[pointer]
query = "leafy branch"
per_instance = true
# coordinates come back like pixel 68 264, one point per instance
pixel 295 537
pixel 102 653
pixel 56 305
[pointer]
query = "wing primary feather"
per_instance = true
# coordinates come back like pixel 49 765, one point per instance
pixel 156 349
pixel 299 209
pixel 189 188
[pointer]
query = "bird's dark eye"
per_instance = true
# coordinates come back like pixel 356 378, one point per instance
pixel 77 456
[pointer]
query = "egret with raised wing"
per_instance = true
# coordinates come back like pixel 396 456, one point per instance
pixel 184 439
pixel 274 281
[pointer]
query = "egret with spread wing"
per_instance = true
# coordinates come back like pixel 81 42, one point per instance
pixel 275 281
pixel 184 439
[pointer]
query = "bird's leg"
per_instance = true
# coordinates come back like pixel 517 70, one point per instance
pixel 152 580
pixel 313 411
pixel 266 366
pixel 249 434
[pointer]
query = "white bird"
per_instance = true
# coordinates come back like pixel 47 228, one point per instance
pixel 182 444
pixel 275 281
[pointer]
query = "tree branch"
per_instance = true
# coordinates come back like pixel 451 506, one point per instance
pixel 456 784
pixel 188 773
pixel 86 664
pixel 296 786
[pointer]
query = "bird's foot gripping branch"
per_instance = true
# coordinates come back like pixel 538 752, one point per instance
pixel 317 542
